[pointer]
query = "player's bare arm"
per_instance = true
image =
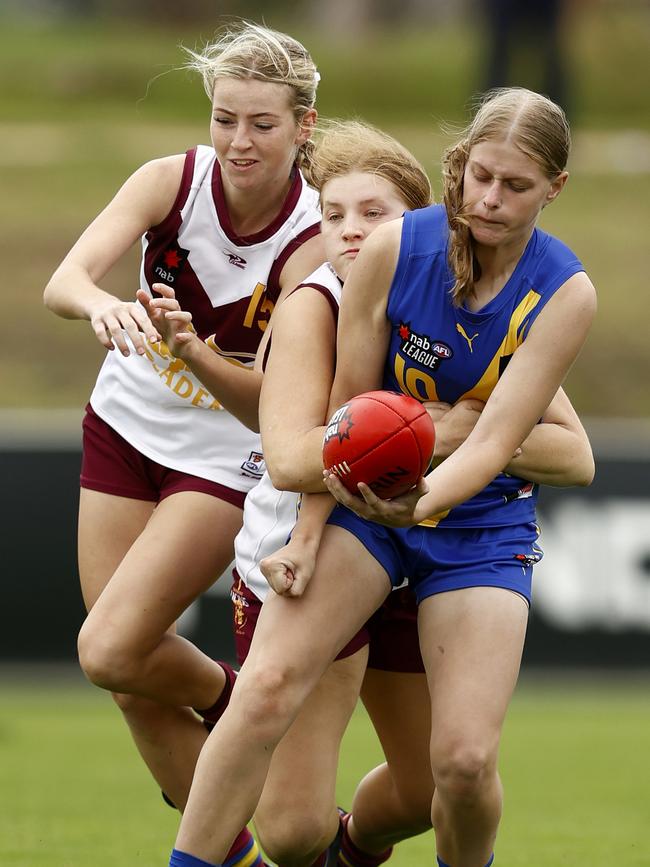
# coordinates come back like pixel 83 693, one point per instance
pixel 557 451
pixel 364 331
pixel 143 201
pixel 289 569
pixel 292 420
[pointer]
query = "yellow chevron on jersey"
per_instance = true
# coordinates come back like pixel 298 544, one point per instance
pixel 514 338
pixel 434 520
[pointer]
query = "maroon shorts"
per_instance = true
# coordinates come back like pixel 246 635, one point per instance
pixel 393 628
pixel 111 465
pixel 391 633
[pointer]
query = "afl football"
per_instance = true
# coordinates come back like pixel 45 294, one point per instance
pixel 382 438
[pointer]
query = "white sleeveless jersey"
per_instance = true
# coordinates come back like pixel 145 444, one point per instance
pixel 269 514
pixel 230 285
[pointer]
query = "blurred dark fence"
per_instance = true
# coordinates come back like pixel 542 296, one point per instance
pixel 592 590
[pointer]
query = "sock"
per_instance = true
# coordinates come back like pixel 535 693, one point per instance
pixel 182 859
pixel 351 856
pixel 213 713
pixel 489 863
pixel 244 852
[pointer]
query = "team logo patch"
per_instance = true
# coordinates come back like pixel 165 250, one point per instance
pixel 234 259
pixel 422 348
pixel 527 560
pixel 339 425
pixel 239 606
pixel 463 333
pixel 522 493
pixel 254 466
pixel 168 265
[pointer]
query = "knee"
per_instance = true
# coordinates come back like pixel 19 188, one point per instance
pixel 461 771
pixel 293 835
pixel 105 660
pixel 268 699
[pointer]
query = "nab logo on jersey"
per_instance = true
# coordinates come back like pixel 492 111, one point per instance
pixel 168 265
pixel 234 259
pixel 422 348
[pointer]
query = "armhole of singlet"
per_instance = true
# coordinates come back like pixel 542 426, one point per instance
pixel 183 190
pixel 325 292
pixel 284 255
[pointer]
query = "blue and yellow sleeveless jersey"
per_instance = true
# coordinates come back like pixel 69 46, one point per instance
pixel 441 352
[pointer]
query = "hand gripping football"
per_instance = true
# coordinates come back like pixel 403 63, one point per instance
pixel 382 438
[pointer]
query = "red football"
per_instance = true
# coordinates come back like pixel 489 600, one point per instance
pixel 382 438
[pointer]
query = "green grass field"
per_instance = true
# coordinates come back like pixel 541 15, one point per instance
pixel 575 765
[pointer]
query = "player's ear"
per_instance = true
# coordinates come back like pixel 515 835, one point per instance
pixel 557 185
pixel 306 126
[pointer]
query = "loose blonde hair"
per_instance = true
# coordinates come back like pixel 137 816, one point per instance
pixel 341 147
pixel 536 125
pixel 247 50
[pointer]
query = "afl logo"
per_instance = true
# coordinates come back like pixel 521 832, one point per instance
pixel 254 466
pixel 441 350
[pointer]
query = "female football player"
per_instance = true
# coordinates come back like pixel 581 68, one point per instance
pixel 166 462
pixel 478 263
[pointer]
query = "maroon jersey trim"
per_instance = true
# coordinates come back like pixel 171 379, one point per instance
pixel 288 205
pixel 273 284
pixel 325 292
pixel 173 217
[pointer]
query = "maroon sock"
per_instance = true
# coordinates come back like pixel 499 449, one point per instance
pixel 212 714
pixel 351 856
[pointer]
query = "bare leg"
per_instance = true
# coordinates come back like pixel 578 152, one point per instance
pixel 169 740
pixel 296 818
pixel 393 801
pixel 140 569
pixel 471 643
pixel 294 642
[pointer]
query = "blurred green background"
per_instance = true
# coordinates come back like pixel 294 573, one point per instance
pixel 93 89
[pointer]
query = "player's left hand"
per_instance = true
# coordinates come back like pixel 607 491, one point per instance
pixel 398 512
pixel 174 324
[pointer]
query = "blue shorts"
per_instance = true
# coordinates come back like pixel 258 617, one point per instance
pixel 438 559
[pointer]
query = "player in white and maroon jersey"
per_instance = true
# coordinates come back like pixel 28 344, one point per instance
pixel 229 284
pixel 166 465
pixel 297 818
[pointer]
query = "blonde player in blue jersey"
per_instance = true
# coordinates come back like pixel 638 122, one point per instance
pixel 504 310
